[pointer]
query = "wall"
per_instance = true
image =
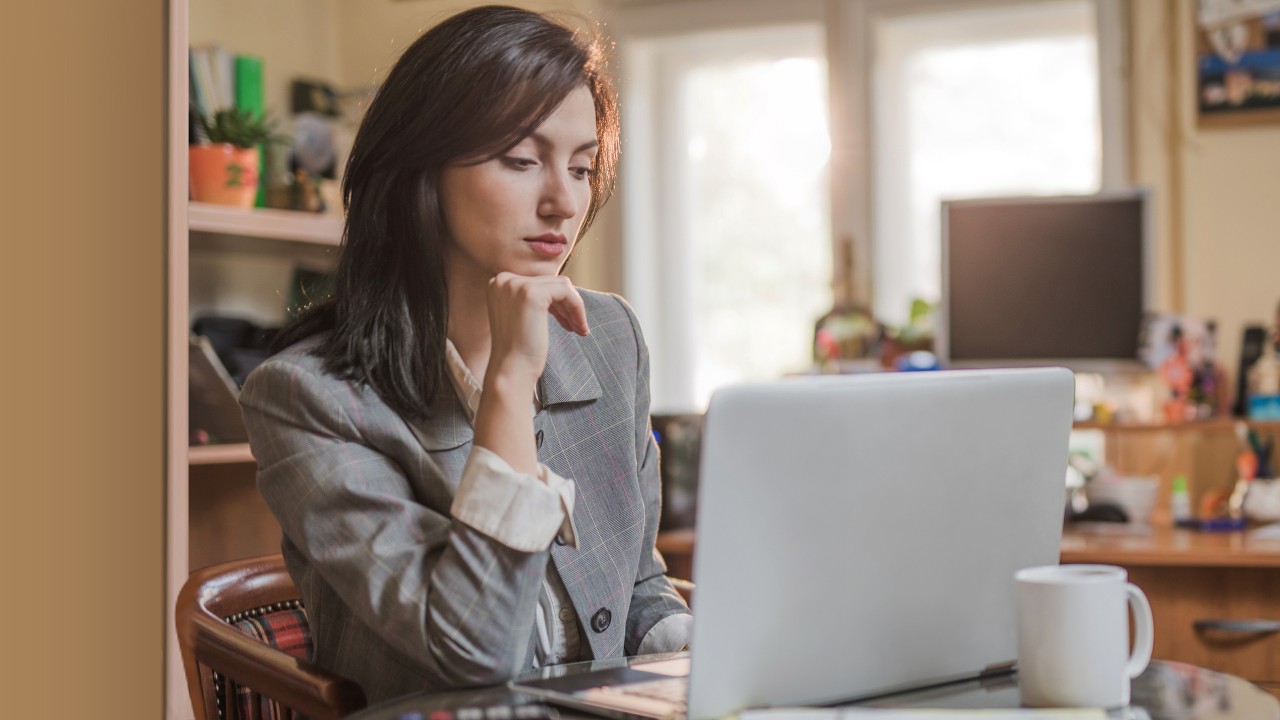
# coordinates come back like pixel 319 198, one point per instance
pixel 82 291
pixel 1216 188
pixel 295 38
pixel 375 32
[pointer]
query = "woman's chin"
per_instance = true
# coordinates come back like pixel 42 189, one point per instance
pixel 535 268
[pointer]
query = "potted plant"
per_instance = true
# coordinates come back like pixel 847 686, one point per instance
pixel 225 171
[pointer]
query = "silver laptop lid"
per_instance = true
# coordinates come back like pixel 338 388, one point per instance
pixel 858 534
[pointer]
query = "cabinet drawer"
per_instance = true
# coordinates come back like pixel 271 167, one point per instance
pixel 1273 688
pixel 1215 596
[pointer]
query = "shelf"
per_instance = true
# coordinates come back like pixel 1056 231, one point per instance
pixel 312 228
pixel 1161 546
pixel 1114 544
pixel 219 454
pixel 1214 425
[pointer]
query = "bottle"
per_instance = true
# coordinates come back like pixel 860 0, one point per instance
pixel 1264 383
pixel 1180 501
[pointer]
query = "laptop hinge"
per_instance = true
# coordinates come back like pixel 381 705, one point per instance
pixel 997 669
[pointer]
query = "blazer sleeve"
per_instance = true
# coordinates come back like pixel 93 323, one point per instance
pixel 457 602
pixel 653 599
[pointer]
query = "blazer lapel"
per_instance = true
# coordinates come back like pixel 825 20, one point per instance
pixel 445 426
pixel 568 376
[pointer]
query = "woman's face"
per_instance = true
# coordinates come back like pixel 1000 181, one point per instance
pixel 520 212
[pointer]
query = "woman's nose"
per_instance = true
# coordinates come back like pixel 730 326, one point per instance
pixel 558 199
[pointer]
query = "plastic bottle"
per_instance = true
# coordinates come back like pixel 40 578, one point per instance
pixel 1264 383
pixel 1180 501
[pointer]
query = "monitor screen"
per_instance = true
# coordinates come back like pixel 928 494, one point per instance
pixel 1060 280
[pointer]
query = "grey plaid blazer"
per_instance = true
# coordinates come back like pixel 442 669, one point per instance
pixel 402 598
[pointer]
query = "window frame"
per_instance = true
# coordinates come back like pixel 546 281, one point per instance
pixel 851 31
pixel 648 234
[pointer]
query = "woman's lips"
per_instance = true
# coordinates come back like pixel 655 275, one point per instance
pixel 548 245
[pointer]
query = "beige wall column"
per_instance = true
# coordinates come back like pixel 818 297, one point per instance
pixel 83 297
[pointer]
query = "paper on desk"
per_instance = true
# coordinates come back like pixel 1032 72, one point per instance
pixel 921 714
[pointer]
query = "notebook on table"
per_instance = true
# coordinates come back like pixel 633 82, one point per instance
pixel 856 535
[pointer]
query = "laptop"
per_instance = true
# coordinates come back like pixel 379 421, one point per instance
pixel 857 536
pixel 213 397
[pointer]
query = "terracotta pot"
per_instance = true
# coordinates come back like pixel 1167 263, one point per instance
pixel 224 174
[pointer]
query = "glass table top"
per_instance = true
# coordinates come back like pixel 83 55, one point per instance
pixel 1166 691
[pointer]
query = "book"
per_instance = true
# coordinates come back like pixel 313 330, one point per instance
pixel 212 79
pixel 249 95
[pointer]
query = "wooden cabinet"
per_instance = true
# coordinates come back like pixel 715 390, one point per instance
pixel 1200 585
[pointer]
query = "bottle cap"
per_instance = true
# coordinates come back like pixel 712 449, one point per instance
pixel 1180 484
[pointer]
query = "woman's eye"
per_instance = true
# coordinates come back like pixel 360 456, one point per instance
pixel 519 163
pixel 581 173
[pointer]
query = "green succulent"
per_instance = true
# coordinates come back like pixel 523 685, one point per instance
pixel 241 128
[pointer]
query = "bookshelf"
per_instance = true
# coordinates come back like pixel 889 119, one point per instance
pixel 1223 424
pixel 265 224
pixel 234 262
pixel 219 454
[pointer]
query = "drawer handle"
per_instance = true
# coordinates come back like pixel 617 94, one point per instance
pixel 1240 626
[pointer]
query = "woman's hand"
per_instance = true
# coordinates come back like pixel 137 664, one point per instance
pixel 518 307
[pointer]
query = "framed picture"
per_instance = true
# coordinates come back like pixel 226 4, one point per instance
pixel 1183 352
pixel 1238 61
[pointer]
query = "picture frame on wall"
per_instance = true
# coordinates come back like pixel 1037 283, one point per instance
pixel 1237 62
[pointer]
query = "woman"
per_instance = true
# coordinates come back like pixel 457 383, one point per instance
pixel 456 444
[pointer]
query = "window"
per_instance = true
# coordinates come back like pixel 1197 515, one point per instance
pixel 732 266
pixel 737 197
pixel 975 102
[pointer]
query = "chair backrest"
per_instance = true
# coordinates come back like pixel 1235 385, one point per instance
pixel 245 646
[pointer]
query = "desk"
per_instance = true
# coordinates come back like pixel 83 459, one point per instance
pixel 1189 577
pixel 1197 578
pixel 1165 690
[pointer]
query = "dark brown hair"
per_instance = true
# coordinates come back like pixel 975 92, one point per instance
pixel 469 88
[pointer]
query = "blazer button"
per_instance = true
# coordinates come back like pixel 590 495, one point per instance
pixel 600 621
pixel 537 439
pixel 560 538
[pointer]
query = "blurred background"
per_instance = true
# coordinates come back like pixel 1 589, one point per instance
pixel 784 164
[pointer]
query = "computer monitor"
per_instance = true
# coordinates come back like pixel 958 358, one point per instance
pixel 1045 281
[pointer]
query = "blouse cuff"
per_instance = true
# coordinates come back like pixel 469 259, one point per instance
pixel 670 634
pixel 523 512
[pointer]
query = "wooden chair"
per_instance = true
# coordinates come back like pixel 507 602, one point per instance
pixel 244 641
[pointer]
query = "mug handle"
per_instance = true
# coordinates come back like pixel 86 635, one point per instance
pixel 1142 631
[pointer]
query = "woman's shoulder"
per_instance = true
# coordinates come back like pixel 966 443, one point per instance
pixel 299 364
pixel 298 356
pixel 602 306
pixel 615 331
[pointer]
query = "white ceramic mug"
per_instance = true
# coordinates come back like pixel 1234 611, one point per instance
pixel 1073 635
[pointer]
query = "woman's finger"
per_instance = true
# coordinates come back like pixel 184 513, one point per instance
pixel 568 309
pixel 559 297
